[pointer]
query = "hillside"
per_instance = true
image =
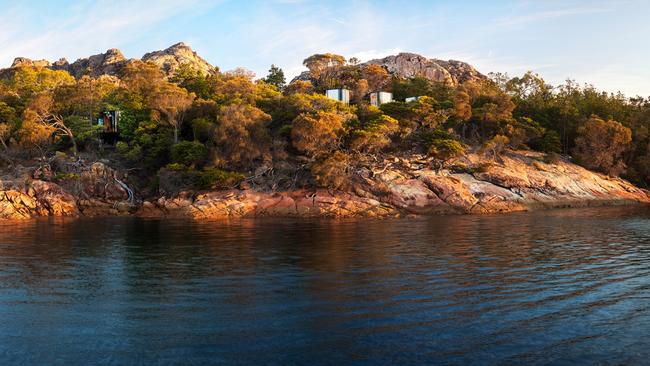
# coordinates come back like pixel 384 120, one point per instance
pixel 171 135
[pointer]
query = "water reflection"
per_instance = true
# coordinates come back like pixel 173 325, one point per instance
pixel 565 286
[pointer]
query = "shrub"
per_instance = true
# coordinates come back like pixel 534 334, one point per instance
pixel 217 178
pixel 333 171
pixel 202 129
pixel 176 167
pixel 319 133
pixel 189 153
pixel 495 146
pixel 445 149
pixel 375 134
pixel 66 176
pixel 600 145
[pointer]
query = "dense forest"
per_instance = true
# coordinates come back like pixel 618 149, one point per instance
pixel 213 130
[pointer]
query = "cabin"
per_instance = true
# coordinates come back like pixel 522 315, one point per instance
pixel 342 95
pixel 110 121
pixel 379 98
pixel 412 99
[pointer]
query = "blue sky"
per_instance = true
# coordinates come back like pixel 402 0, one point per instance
pixel 606 43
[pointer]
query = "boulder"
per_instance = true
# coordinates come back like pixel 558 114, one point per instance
pixel 170 59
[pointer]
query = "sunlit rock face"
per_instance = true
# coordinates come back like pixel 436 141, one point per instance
pixel 170 59
pixel 395 186
pixel 408 65
pixel 113 61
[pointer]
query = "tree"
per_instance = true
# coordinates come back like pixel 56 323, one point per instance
pixel 42 108
pixel 601 144
pixel 334 171
pixel 84 98
pixel 550 142
pixel 193 80
pixel 29 81
pixel 323 68
pixel 495 146
pixel 377 77
pixel 241 135
pixel 7 119
pixel 462 105
pixel 445 149
pixel 171 102
pixel 33 134
pixel 374 135
pixel 5 133
pixel 189 153
pixel 276 77
pixel 299 86
pixel 318 133
pixel 234 87
pixel 429 114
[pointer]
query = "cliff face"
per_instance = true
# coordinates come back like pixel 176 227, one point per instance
pixel 112 61
pixel 108 63
pixel 396 186
pixel 408 65
pixel 170 59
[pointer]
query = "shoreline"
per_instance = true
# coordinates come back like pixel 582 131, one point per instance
pixel 394 187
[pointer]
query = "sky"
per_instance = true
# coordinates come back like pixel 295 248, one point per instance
pixel 604 43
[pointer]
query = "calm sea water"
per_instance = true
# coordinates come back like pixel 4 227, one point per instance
pixel 554 287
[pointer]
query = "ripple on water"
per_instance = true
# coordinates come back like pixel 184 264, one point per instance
pixel 556 287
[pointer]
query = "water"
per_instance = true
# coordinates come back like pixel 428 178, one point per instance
pixel 555 287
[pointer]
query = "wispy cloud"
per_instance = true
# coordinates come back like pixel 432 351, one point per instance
pixel 91 26
pixel 521 20
pixel 576 38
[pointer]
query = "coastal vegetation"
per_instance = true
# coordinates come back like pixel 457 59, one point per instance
pixel 210 130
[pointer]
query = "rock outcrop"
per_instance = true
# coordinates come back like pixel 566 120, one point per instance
pixel 408 65
pixel 26 62
pixel 113 61
pixel 170 59
pixel 520 181
pixel 108 63
pixel 93 191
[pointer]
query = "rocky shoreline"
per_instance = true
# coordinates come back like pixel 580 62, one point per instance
pixel 519 181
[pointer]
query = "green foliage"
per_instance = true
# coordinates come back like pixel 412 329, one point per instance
pixel 150 147
pixel 202 129
pixel 401 111
pixel 66 176
pixel 230 121
pixel 192 80
pixel 495 146
pixel 189 153
pixel 7 113
pixel 445 149
pixel 276 77
pixel 217 178
pixel 176 167
pixel 550 142
pixel 129 123
pixel 420 86
pixel 375 134
pixel 28 81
